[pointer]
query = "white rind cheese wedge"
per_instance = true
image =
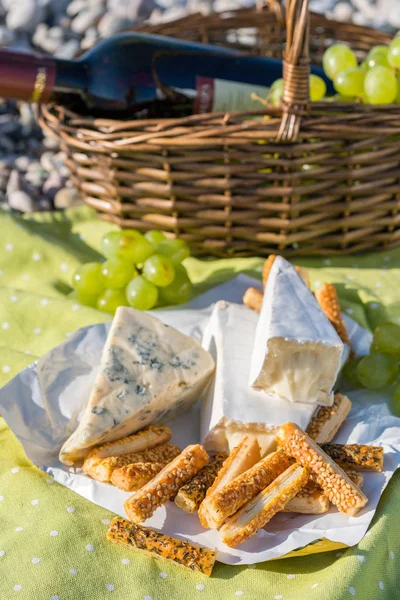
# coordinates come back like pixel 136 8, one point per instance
pixel 231 408
pixel 149 372
pixel 297 352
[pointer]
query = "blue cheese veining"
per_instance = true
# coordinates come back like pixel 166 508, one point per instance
pixel 149 372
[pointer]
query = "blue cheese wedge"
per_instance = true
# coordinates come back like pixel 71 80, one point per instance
pixel 231 408
pixel 297 352
pixel 149 373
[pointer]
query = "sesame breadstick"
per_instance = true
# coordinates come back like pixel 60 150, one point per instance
pixel 243 456
pixel 157 545
pixel 155 435
pixel 225 502
pixel 312 500
pixel 131 478
pixel 339 488
pixel 327 420
pixel 328 300
pixel 356 456
pixel 166 484
pixel 253 299
pixel 103 468
pixel 258 512
pixel 192 494
pixel 267 268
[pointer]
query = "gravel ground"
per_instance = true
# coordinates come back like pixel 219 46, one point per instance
pixel 33 175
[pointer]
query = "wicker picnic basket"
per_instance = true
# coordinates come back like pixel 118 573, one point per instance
pixel 303 179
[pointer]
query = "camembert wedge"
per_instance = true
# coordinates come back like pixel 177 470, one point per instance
pixel 297 352
pixel 149 372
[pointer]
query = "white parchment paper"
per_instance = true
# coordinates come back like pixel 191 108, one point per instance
pixel 42 403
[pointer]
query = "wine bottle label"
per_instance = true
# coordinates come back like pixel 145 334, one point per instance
pixel 220 95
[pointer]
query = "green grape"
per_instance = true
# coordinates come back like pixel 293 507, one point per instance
pixel 380 85
pixel 387 339
pixel 317 88
pixel 88 280
pixel 85 299
pixel 397 101
pixel 141 294
pixel 159 270
pixel 378 59
pixel 379 49
pixel 117 272
pixel 128 244
pixel 350 82
pixel 394 53
pixel 109 300
pixel 364 66
pixel 276 91
pixel 338 57
pixel 155 237
pixel 177 250
pixel 377 370
pixel 350 371
pixel 180 290
pixel 396 399
pixel 109 244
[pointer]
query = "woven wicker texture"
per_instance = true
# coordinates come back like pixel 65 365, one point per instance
pixel 307 178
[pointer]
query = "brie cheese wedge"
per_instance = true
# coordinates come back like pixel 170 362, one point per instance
pixel 231 408
pixel 149 373
pixel 297 352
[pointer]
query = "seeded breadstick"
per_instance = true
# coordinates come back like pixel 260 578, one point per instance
pixel 312 500
pixel 103 469
pixel 356 456
pixel 157 545
pixel 328 300
pixel 245 455
pixel 226 501
pixel 267 268
pixel 253 299
pixel 191 495
pixel 133 477
pixel 155 435
pixel 327 420
pixel 258 512
pixel 339 488
pixel 166 484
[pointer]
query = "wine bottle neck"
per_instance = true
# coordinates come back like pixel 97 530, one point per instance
pixel 38 78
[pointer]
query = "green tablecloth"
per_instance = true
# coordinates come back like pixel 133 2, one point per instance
pixel 52 541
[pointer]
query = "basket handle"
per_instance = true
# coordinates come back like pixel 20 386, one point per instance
pixel 296 68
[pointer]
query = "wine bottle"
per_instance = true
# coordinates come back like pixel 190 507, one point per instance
pixel 142 76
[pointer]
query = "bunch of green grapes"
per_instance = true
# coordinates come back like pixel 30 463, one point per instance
pixel 380 368
pixel 374 81
pixel 139 270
